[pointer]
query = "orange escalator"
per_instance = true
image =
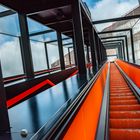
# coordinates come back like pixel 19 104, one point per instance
pixel 124 121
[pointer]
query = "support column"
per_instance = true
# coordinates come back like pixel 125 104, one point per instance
pixel 75 52
pixel 99 51
pixel 132 46
pixel 93 50
pixel 78 35
pixel 25 46
pixel 4 120
pixel 61 53
pixel 88 59
pixel 47 58
pixel 126 43
pixel 123 50
pixel 97 48
pixel 120 52
pixel 69 56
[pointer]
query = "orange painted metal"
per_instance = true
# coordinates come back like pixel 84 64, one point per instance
pixel 85 123
pixel 28 92
pixel 132 71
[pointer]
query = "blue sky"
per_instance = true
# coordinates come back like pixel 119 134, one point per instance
pixel 91 2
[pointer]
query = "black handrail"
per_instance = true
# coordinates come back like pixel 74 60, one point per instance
pixel 103 124
pixel 61 125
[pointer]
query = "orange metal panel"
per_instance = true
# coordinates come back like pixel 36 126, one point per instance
pixel 85 123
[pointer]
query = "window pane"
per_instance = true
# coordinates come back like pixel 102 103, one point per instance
pixel 72 56
pixel 10 56
pixel 35 26
pixel 66 56
pixel 9 25
pixel 38 56
pixel 2 8
pixel 53 55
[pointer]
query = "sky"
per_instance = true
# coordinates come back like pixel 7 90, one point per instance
pixel 104 9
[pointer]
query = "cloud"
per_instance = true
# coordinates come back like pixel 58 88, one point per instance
pixel 10 57
pixel 105 9
pixel 11 61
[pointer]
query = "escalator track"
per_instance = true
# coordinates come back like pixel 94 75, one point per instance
pixel 124 111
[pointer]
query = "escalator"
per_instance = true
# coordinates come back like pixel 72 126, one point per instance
pixel 124 110
pixel 107 109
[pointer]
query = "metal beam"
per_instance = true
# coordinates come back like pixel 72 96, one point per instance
pixel 96 43
pixel 87 57
pixel 47 58
pixel 111 55
pixel 121 36
pixel 126 44
pixel 78 35
pixel 132 46
pixel 122 30
pixel 61 53
pixel 42 32
pixel 25 47
pixel 69 56
pixel 114 31
pixel 119 40
pixel 4 120
pixel 116 19
pixel 52 41
pixel 67 44
pixel 118 43
pixel 7 13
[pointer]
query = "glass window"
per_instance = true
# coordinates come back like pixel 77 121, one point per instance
pixel 10 56
pixel 10 53
pixel 52 47
pixel 38 55
pixel 10 25
pixel 72 56
pixel 53 55
pixel 2 8
pixel 35 26
pixel 66 56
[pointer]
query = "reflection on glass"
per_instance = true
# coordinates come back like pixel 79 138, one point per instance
pixel 53 55
pixel 66 56
pixel 10 56
pixel 35 26
pixel 2 8
pixel 38 55
pixel 72 56
pixel 9 25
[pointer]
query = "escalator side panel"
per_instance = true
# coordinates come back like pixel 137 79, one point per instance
pixel 132 71
pixel 85 123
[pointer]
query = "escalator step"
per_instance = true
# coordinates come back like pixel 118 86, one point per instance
pixel 122 98
pixel 124 102
pixel 125 107
pixel 124 114
pixel 123 94
pixel 125 123
pixel 124 134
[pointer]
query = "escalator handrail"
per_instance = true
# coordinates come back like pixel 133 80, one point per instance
pixel 103 124
pixel 59 128
pixel 131 84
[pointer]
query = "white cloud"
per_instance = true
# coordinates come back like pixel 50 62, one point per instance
pixel 105 9
pixel 10 57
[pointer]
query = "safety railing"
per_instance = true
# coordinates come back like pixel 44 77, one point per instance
pixel 63 127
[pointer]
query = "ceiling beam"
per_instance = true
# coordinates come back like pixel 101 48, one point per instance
pixel 115 19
